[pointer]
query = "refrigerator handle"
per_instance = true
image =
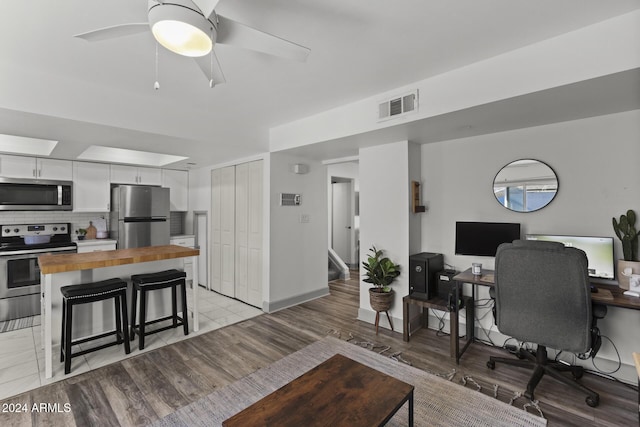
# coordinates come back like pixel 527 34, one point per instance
pixel 146 219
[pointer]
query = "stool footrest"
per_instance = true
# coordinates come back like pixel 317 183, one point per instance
pixel 136 328
pixel 92 338
pixel 96 348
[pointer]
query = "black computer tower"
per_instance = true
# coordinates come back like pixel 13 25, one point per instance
pixel 423 274
pixel 445 283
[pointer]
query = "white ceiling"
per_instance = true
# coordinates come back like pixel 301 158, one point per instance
pixel 55 86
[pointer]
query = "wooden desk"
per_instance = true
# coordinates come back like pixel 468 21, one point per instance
pixel 442 305
pixel 339 391
pixel 610 295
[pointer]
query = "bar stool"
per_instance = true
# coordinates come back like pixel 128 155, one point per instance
pixel 87 293
pixel 144 283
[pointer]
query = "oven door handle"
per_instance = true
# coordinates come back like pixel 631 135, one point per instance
pixel 16 254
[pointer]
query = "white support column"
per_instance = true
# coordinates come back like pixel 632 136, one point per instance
pixel 195 285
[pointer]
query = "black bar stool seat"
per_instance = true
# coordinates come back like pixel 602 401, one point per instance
pixel 87 293
pixel 144 283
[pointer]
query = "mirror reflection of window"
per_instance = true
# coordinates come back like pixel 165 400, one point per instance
pixel 525 185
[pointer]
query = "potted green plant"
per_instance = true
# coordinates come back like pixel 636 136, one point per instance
pixel 625 229
pixel 81 232
pixel 380 271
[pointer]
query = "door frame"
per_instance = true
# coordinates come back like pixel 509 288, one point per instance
pixel 196 230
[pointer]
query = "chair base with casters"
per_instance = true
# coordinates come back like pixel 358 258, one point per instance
pixel 144 283
pixel 542 365
pixel 86 293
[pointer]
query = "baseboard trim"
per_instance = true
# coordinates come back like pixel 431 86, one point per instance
pixel 272 306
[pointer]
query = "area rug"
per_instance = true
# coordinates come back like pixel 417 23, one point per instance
pixel 437 402
pixel 23 322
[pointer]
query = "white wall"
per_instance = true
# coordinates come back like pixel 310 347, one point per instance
pixel 415 219
pixel 384 222
pixel 596 161
pixel 597 50
pixel 298 250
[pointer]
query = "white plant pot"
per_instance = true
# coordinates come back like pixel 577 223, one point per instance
pixel 623 278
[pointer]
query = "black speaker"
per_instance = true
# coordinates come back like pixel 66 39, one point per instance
pixel 423 270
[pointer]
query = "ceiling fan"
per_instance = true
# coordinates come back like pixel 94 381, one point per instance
pixel 192 28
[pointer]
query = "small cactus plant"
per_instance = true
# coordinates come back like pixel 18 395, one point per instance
pixel 625 229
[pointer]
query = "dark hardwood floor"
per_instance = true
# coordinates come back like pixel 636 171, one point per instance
pixel 142 389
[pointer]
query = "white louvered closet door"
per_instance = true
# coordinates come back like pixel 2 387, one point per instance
pixel 236 224
pixel 227 230
pixel 223 230
pixel 216 233
pixel 249 233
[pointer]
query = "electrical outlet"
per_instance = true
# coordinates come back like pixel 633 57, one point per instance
pixel 304 218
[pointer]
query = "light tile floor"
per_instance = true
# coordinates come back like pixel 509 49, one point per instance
pixel 22 356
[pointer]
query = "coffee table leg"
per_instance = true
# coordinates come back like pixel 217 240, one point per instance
pixel 411 409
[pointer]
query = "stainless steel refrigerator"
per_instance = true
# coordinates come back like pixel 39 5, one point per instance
pixel 139 216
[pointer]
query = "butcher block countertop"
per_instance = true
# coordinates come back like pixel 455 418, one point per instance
pixel 61 263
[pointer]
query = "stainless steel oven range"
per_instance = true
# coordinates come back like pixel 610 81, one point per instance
pixel 20 246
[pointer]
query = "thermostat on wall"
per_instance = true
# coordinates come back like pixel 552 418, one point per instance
pixel 290 199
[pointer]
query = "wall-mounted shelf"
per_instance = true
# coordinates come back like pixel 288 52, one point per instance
pixel 415 198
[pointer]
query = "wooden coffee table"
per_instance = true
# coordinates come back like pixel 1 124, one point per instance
pixel 339 391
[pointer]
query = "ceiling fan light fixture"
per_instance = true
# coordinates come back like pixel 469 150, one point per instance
pixel 181 30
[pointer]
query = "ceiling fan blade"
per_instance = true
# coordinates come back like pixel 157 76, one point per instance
pixel 234 33
pixel 206 6
pixel 114 32
pixel 211 68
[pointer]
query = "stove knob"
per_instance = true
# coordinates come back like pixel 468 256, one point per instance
pixel 6 230
pixel 16 230
pixel 61 229
pixel 55 228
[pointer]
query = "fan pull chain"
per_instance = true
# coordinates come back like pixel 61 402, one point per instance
pixel 156 85
pixel 211 82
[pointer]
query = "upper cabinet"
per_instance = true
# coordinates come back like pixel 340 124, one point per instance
pixel 178 183
pixel 35 168
pixel 121 174
pixel 91 187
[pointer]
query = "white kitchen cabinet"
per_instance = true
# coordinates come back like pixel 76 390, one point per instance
pixel 122 174
pixel 96 245
pixel 150 176
pixel 178 183
pixel 91 187
pixel 54 169
pixel 35 168
pixel 188 241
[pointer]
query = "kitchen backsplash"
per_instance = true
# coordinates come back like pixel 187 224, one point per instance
pixel 177 223
pixel 77 220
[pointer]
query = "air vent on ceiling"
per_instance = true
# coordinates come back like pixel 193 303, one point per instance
pixel 398 106
pixel 289 199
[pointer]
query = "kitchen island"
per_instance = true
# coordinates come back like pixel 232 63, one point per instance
pixel 70 269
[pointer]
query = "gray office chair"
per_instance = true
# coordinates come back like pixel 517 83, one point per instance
pixel 543 296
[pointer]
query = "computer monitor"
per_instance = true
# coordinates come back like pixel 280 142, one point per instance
pixel 599 251
pixel 483 238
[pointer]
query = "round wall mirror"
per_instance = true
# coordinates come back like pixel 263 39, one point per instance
pixel 525 185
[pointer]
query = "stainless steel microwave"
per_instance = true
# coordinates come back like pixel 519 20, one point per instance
pixel 35 195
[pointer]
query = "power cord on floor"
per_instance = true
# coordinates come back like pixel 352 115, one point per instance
pixel 593 361
pixel 484 303
pixel 440 332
